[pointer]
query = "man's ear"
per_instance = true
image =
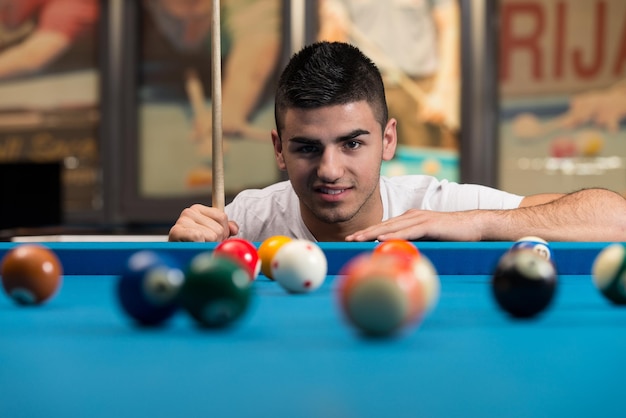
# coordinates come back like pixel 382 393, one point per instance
pixel 390 140
pixel 278 150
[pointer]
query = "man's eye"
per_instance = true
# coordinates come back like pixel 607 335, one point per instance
pixel 307 149
pixel 352 144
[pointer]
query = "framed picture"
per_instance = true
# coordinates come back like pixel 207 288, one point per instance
pixel 50 97
pixel 563 95
pixel 417 47
pixel 162 161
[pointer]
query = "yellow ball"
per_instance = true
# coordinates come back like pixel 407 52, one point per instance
pixel 268 249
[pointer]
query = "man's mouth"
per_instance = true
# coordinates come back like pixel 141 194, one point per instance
pixel 331 191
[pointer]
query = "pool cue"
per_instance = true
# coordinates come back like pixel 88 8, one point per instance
pixel 217 166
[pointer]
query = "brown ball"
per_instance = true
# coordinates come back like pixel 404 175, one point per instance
pixel 31 274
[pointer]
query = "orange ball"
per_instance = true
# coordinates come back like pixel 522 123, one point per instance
pixel 398 247
pixel 380 296
pixel 31 274
pixel 268 249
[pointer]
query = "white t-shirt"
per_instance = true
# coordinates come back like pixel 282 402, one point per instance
pixel 275 210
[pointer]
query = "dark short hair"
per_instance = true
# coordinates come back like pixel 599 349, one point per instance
pixel 326 74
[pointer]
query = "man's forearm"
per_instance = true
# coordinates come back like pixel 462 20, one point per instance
pixel 586 215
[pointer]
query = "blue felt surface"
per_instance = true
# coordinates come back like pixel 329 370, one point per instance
pixel 293 356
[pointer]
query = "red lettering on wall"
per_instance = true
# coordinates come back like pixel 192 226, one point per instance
pixel 559 39
pixel 620 60
pixel 592 70
pixel 512 43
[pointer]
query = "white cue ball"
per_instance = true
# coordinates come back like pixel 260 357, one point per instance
pixel 299 266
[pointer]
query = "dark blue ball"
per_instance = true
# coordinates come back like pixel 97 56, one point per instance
pixel 148 287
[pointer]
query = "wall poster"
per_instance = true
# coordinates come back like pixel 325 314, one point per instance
pixel 416 44
pixel 562 95
pixel 174 95
pixel 49 93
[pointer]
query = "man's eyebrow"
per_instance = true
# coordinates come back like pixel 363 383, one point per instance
pixel 354 134
pixel 351 135
pixel 303 140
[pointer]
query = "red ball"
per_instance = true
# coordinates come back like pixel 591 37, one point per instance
pixel 31 274
pixel 242 252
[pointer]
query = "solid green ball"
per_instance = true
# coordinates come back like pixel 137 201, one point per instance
pixel 216 291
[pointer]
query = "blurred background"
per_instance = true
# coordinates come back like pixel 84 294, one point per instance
pixel 105 105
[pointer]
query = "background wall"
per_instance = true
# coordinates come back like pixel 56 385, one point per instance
pixel 125 106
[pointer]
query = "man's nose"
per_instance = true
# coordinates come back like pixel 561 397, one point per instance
pixel 330 165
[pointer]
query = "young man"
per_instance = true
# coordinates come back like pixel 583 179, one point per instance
pixel 332 134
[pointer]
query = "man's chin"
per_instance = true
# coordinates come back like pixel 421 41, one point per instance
pixel 333 217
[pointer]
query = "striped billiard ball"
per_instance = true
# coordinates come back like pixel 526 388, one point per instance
pixel 147 288
pixel 538 245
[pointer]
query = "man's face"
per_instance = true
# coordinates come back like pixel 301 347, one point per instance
pixel 332 156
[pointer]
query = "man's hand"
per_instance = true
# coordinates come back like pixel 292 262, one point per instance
pixel 585 215
pixel 417 224
pixel 201 223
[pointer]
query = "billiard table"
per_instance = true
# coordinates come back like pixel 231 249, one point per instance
pixel 292 355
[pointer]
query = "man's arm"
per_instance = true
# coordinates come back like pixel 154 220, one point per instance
pixel 585 215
